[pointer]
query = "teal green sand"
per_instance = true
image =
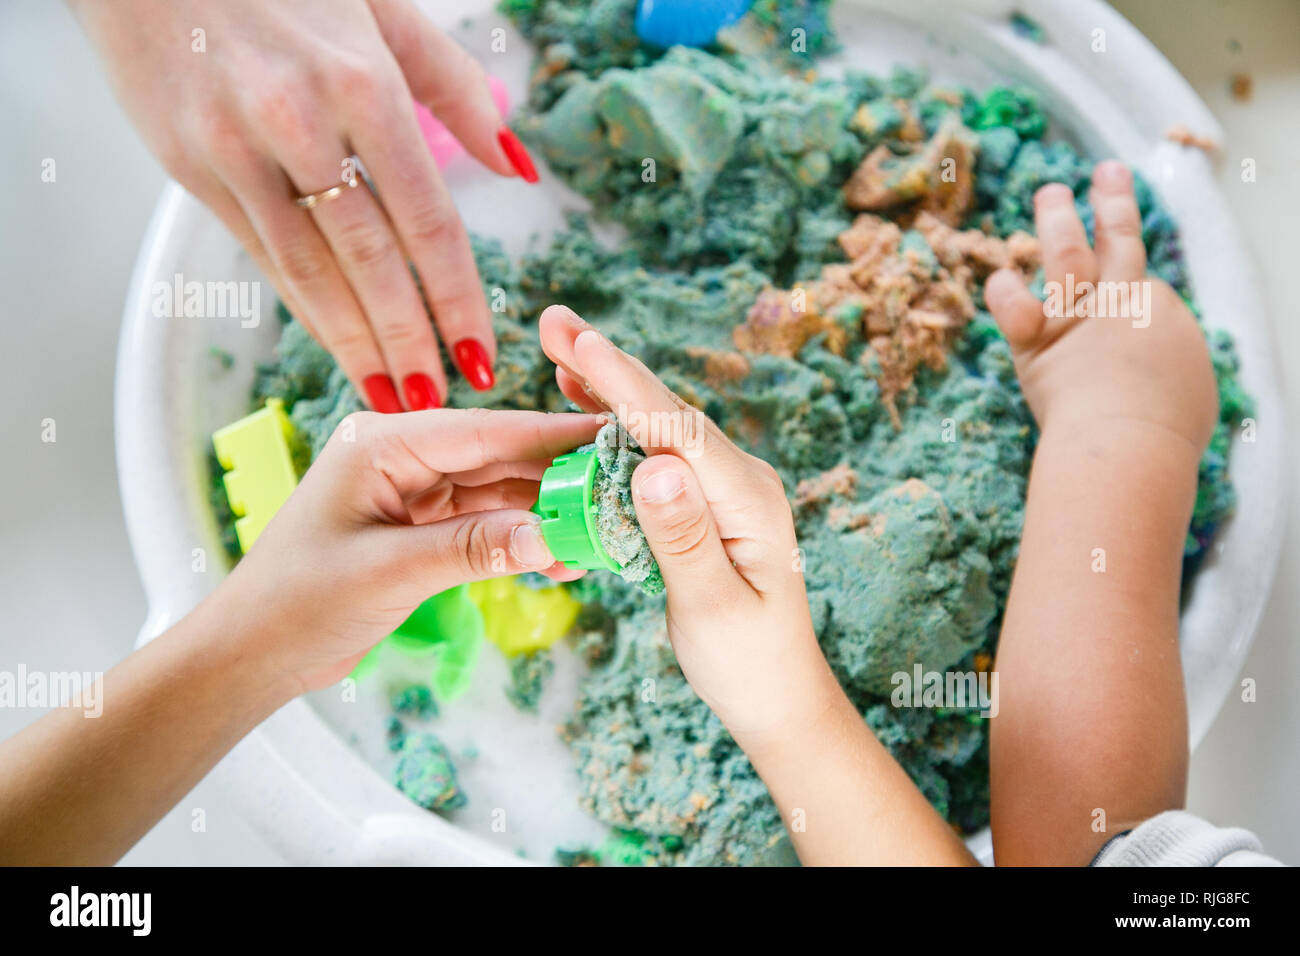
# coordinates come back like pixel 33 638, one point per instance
pixel 426 774
pixel 618 454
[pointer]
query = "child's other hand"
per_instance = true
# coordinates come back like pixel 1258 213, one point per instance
pixel 1091 367
pixel 395 509
pixel 720 527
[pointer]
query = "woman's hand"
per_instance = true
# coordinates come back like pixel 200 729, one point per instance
pixel 720 527
pixel 395 509
pixel 270 102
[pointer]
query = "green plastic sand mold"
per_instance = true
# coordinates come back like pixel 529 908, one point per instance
pixel 447 627
pixel 569 513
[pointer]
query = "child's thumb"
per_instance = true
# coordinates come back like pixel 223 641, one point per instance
pixel 473 547
pixel 679 526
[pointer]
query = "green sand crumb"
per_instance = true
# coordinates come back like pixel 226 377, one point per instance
pixel 220 505
pixel 786 20
pixel 620 848
pixel 414 700
pixel 576 856
pixel 1027 27
pixel 528 674
pixel 908 492
pixel 426 774
pixel 394 732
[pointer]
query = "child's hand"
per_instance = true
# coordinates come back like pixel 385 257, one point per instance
pixel 720 527
pixel 412 505
pixel 1148 365
pixel 1091 712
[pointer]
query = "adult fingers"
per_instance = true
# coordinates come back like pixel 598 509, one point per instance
pixel 447 499
pixel 384 131
pixel 415 451
pixel 679 527
pixel 471 547
pixel 1118 234
pixel 300 125
pixel 325 302
pixel 213 194
pixel 451 83
pixel 531 470
pixel 371 257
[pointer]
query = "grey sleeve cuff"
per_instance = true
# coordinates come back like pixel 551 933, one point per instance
pixel 1177 838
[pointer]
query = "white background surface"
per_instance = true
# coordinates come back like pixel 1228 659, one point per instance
pixel 68 589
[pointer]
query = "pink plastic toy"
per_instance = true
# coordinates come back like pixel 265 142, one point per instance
pixel 442 144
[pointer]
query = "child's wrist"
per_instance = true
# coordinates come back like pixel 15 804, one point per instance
pixel 1116 437
pixel 811 701
pixel 1103 469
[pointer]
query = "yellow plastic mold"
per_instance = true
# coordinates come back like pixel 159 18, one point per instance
pixel 519 619
pixel 260 476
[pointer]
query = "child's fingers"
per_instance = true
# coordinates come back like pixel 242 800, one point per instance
pixel 1061 235
pixel 657 418
pixel 577 393
pixel 651 412
pixel 1120 252
pixel 661 422
pixel 679 526
pixel 558 326
pixel 735 487
pixel 509 493
pixel 1018 312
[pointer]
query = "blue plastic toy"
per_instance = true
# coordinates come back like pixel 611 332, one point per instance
pixel 686 22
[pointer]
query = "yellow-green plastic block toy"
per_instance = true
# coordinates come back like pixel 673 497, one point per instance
pixel 254 452
pixel 519 619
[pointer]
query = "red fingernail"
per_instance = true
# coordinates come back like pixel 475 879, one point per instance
pixel 383 396
pixel 518 156
pixel 420 392
pixel 472 360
